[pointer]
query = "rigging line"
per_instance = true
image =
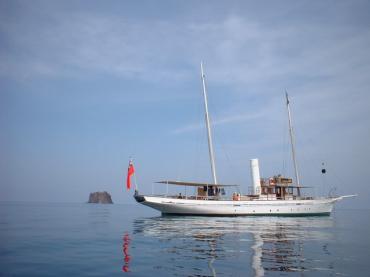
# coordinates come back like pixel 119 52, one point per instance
pixel 223 147
pixel 215 131
pixel 229 163
pixel 219 140
pixel 285 149
pixel 307 162
pixel 323 182
pixel 195 137
pixel 199 139
pixel 336 177
pixel 178 170
pixel 310 163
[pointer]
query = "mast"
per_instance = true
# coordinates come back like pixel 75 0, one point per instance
pixel 292 145
pixel 210 144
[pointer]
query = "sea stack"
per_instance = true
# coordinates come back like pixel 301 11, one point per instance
pixel 100 198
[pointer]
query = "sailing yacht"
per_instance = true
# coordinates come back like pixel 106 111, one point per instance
pixel 269 196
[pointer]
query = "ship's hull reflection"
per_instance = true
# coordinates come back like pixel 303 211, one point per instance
pixel 250 245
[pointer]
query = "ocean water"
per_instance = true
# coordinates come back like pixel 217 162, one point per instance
pixel 48 239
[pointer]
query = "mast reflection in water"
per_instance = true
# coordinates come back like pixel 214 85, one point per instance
pixel 248 246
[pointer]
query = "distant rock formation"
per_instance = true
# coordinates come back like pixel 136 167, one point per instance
pixel 100 197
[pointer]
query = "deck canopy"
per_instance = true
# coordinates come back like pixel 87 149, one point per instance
pixel 193 184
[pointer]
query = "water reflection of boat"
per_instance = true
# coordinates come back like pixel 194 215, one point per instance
pixel 271 244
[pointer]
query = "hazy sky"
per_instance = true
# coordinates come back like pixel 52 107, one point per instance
pixel 84 85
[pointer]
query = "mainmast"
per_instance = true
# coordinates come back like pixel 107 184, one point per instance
pixel 210 144
pixel 292 144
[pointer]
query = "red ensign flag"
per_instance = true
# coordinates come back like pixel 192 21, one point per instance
pixel 130 171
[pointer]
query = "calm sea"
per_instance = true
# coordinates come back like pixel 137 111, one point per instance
pixel 44 239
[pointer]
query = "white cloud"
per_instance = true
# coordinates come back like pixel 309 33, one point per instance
pixel 236 118
pixel 237 50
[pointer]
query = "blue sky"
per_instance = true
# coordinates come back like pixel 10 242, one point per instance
pixel 87 84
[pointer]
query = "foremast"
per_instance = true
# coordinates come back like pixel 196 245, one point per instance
pixel 209 132
pixel 292 145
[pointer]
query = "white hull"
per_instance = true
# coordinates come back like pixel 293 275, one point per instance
pixel 167 205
